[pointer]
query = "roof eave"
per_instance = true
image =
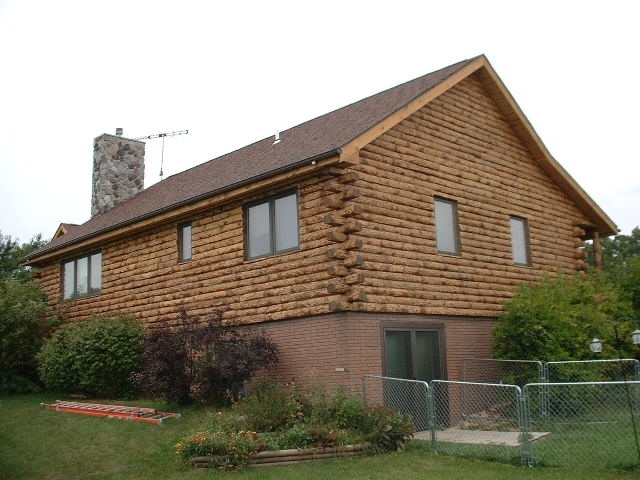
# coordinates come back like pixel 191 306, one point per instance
pixel 181 208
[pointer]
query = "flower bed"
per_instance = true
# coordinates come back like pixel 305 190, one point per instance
pixel 297 427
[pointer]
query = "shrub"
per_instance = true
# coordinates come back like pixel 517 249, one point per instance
pixel 95 357
pixel 556 318
pixel 385 429
pixel 202 360
pixel 350 411
pixel 270 406
pixel 168 366
pixel 225 449
pixel 297 436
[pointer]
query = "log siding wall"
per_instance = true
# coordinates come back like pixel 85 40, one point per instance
pixel 142 274
pixel 367 255
pixel 458 147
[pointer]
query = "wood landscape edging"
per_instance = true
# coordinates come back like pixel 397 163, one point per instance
pixel 290 456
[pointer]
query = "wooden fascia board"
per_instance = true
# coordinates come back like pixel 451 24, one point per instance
pixel 547 162
pixel 396 117
pixel 215 200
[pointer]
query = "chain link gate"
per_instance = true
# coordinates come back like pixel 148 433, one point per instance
pixel 581 424
pixel 409 397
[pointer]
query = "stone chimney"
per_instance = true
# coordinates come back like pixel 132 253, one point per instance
pixel 118 171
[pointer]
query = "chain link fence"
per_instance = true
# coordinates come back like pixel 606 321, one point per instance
pixel 592 371
pixel 512 372
pixel 585 424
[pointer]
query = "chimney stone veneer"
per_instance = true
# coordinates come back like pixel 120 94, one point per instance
pixel 118 171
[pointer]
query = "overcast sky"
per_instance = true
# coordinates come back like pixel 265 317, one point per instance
pixel 234 72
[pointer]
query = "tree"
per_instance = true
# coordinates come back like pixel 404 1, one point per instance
pixel 12 253
pixel 554 319
pixel 23 309
pixel 621 262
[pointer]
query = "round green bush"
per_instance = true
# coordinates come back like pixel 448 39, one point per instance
pixel 95 357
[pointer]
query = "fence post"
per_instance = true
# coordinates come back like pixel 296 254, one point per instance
pixel 544 392
pixel 364 389
pixel 525 427
pixel 432 418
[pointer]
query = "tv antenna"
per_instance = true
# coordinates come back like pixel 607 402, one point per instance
pixel 163 136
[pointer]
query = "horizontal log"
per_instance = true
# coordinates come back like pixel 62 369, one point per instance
pixel 352 260
pixel 354 278
pixel 336 235
pixel 350 192
pixel 337 270
pixel 352 226
pixel 352 210
pixel 350 177
pixel 337 287
pixel 332 185
pixel 333 202
pixel 356 295
pixel 352 243
pixel 337 254
pixel 333 219
pixel 307 451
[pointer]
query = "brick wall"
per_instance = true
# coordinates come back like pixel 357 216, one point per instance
pixel 338 349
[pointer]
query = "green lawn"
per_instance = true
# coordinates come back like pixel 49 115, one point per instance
pixel 42 444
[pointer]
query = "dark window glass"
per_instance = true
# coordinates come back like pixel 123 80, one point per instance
pixel 272 225
pixel 446 226
pixel 82 276
pixel 520 241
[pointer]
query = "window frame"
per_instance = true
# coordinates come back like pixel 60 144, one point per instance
pixel 182 228
pixel 90 276
pixel 270 201
pixel 523 244
pixel 452 223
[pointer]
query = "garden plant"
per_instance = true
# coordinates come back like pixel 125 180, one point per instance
pixel 278 417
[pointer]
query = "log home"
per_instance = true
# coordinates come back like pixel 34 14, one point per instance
pixel 381 238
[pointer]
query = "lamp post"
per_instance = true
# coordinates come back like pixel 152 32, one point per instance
pixel 596 344
pixel 596 347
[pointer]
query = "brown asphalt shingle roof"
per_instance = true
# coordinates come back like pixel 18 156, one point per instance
pixel 324 135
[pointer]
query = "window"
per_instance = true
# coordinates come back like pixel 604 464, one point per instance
pixel 520 241
pixel 184 242
pixel 83 276
pixel 272 225
pixel 447 226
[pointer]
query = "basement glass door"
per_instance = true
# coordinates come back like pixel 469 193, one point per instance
pixel 413 354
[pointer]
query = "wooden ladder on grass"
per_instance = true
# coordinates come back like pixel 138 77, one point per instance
pixel 137 414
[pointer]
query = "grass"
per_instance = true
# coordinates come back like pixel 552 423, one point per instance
pixel 41 444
